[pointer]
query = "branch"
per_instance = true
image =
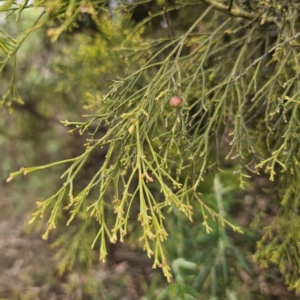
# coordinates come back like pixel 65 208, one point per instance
pixel 233 12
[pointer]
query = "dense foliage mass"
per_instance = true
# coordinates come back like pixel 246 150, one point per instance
pixel 233 69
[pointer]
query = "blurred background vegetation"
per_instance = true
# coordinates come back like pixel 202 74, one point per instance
pixel 62 81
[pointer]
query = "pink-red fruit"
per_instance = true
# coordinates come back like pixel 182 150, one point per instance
pixel 175 101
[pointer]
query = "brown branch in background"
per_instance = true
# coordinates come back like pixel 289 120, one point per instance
pixel 168 22
pixel 230 5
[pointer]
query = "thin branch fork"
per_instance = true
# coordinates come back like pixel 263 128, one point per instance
pixel 263 56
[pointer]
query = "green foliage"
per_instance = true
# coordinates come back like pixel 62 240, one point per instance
pixel 237 72
pixel 204 261
pixel 77 247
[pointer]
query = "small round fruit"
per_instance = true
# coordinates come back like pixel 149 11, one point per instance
pixel 175 101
